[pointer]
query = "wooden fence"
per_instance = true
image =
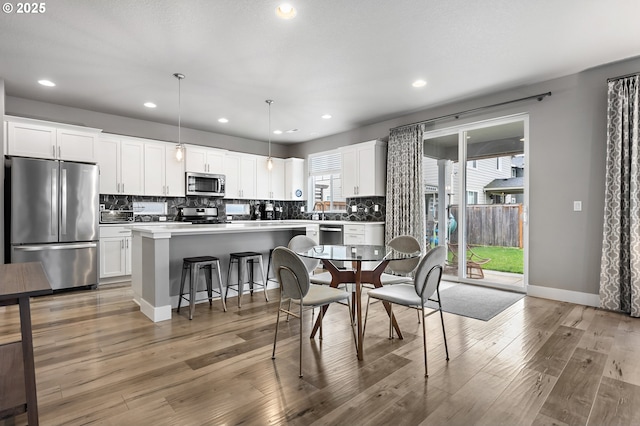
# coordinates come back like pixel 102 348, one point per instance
pixel 492 225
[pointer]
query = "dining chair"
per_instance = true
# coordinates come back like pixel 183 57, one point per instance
pixel 425 284
pixel 293 276
pixel 301 243
pixel 401 268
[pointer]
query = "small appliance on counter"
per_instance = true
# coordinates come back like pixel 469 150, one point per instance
pixel 199 215
pixel 268 212
pixel 116 216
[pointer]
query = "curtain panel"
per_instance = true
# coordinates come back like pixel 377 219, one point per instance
pixel 405 198
pixel 620 263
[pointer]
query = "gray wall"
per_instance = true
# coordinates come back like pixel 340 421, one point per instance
pixel 134 127
pixel 566 163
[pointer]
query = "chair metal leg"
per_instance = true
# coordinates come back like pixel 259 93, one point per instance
pixel 226 293
pixel 222 299
pixel 390 321
pixel 444 333
pixel 209 279
pixel 366 315
pixel 242 264
pixel 193 283
pixel 424 342
pixel 184 276
pixel 264 281
pixel 300 338
pixel 275 338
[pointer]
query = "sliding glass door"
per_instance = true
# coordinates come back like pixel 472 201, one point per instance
pixel 476 200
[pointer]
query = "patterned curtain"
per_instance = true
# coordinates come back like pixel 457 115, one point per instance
pixel 620 265
pixel 405 198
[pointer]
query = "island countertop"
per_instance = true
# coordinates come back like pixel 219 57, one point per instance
pixel 218 228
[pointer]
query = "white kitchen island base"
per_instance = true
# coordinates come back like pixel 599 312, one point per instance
pixel 158 252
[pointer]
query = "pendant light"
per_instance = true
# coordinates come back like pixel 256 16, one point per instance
pixel 179 147
pixel 269 159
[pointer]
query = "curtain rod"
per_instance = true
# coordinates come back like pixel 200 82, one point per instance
pixel 457 115
pixel 633 74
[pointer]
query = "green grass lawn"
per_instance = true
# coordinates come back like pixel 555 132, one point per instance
pixel 504 259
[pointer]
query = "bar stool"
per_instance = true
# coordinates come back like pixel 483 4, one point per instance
pixel 246 260
pixel 194 265
pixel 274 279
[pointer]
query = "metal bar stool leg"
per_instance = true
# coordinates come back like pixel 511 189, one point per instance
pixel 184 276
pixel 222 295
pixel 264 281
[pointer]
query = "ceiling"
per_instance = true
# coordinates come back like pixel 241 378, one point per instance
pixel 352 59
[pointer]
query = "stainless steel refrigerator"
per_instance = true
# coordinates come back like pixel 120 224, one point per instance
pixel 51 214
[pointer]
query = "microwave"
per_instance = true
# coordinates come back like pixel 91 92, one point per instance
pixel 204 184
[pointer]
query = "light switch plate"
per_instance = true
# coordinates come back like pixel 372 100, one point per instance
pixel 354 209
pixel 577 206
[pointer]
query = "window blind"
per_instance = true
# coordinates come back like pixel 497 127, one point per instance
pixel 329 162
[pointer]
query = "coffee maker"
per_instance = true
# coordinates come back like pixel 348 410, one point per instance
pixel 268 212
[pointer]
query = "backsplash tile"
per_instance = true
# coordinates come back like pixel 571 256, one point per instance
pixel 290 209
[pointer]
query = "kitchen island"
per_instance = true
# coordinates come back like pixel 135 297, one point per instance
pixel 158 252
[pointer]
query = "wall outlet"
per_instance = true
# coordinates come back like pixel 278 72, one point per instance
pixel 354 209
pixel 577 206
pixel 376 208
pixel 301 209
pixel 102 207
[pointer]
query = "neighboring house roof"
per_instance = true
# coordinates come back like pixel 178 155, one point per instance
pixel 512 185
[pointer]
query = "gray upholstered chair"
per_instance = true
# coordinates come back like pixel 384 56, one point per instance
pixel 402 268
pixel 425 284
pixel 301 243
pixel 293 276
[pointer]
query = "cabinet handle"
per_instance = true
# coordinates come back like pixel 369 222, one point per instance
pixel 167 193
pixel 126 243
pixel 121 244
pixel 117 188
pixel 54 151
pixel 59 152
pixel 123 187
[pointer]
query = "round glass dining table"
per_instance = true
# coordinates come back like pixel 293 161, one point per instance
pixel 357 254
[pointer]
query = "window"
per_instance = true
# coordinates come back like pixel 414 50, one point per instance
pixel 497 163
pixel 472 197
pixel 325 181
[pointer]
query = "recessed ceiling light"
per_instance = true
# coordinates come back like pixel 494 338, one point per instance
pixel 286 11
pixel 223 120
pixel 326 116
pixel 150 105
pixel 292 130
pixel 47 83
pixel 419 83
pixel 521 139
pixel 277 132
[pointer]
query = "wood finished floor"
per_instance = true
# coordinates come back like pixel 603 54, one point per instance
pixel 541 362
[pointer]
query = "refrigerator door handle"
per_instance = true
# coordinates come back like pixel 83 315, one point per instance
pixel 54 201
pixel 55 247
pixel 63 196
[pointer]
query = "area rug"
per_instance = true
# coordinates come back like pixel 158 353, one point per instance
pixel 474 301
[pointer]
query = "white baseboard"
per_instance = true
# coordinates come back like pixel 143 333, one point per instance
pixel 155 314
pixel 587 299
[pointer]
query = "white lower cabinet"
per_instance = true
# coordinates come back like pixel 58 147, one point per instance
pixel 115 251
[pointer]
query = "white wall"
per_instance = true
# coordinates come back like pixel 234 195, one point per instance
pixel 567 163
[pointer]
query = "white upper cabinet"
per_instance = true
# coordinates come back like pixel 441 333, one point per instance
pixel 174 176
pixel 42 139
pixel 121 162
pixel 240 171
pixel 163 173
pixel 364 169
pixel 200 159
pixel 269 183
pixel 294 181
